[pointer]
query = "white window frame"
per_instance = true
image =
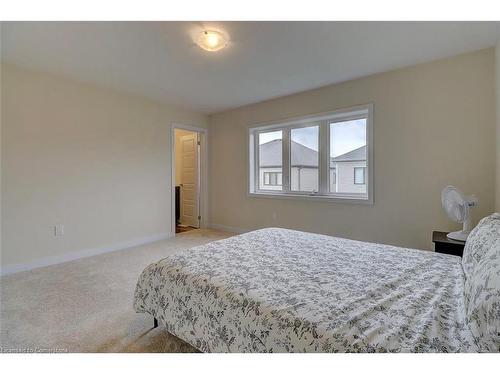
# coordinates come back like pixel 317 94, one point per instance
pixel 323 120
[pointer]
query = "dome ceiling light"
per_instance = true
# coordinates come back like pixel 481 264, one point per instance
pixel 211 40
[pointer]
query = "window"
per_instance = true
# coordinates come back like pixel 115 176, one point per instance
pixel 359 175
pixel 326 156
pixel 270 160
pixel 304 159
pixel 272 178
pixel 348 155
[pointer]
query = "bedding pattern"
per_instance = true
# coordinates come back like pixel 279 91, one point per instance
pixel 279 290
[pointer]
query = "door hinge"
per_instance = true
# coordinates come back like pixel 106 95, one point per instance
pixel 199 217
pixel 199 143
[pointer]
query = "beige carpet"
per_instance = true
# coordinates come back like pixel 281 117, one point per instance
pixel 86 305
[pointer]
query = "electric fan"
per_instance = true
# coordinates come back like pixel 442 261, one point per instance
pixel 457 207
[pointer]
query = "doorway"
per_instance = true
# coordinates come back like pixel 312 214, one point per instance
pixel 187 178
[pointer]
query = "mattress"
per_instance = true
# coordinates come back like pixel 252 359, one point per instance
pixel 279 290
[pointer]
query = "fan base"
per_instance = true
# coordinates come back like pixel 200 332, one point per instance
pixel 459 235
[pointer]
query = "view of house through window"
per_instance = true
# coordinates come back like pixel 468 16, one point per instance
pixel 304 159
pixel 270 160
pixel 348 156
pixel 342 156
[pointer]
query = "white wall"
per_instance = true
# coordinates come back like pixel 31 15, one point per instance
pixel 96 160
pixel 497 81
pixel 1 163
pixel 434 125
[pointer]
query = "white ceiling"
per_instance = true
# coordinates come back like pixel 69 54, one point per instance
pixel 263 60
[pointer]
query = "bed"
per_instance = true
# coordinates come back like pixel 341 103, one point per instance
pixel 280 290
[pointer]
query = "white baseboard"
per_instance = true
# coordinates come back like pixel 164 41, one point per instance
pixel 74 255
pixel 225 228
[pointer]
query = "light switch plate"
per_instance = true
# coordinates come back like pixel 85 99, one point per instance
pixel 59 230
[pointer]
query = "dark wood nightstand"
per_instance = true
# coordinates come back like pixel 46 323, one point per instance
pixel 444 245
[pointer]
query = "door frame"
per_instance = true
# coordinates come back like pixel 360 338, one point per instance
pixel 202 173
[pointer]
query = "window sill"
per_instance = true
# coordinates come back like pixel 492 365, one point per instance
pixel 348 199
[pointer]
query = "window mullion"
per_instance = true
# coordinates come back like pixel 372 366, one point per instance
pixel 286 160
pixel 256 162
pixel 323 158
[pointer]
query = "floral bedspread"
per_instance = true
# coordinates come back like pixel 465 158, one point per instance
pixel 279 290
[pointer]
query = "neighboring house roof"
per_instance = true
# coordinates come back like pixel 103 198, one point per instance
pixel 270 154
pixel 302 156
pixel 357 154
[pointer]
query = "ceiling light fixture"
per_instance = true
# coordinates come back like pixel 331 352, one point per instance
pixel 211 40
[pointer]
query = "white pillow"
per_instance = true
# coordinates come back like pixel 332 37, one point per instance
pixel 479 241
pixel 482 285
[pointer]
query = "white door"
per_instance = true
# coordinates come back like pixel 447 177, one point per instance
pixel 190 183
